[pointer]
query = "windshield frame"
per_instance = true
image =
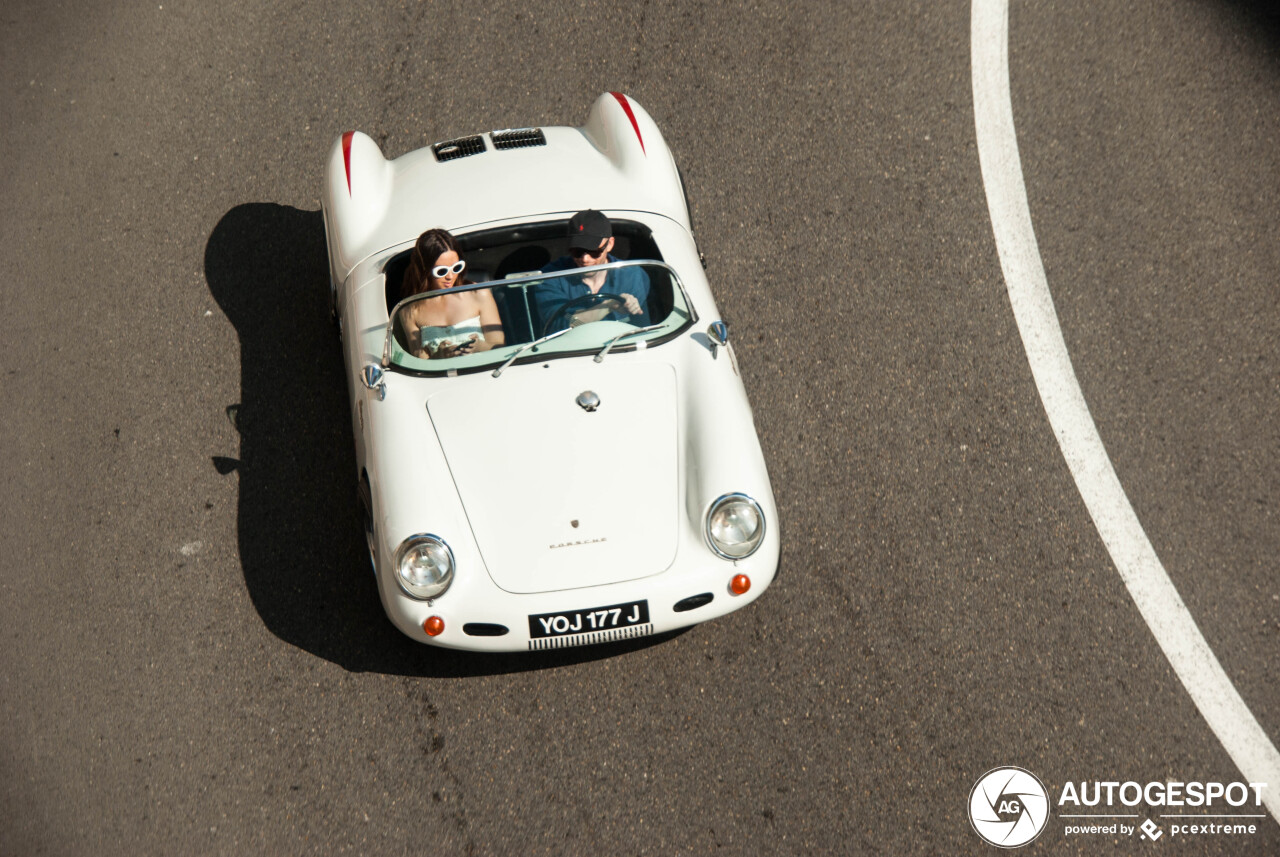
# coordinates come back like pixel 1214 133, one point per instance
pixel 389 341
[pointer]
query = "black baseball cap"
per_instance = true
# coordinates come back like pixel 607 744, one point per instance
pixel 588 230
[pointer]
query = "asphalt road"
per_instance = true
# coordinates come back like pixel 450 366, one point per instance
pixel 195 660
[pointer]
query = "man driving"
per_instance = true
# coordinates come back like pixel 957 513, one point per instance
pixel 590 240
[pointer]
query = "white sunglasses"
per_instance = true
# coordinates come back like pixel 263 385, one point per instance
pixel 442 270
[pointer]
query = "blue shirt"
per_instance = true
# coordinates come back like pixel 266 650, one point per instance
pixel 555 293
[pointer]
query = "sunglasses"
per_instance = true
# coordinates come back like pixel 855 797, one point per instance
pixel 578 252
pixel 440 271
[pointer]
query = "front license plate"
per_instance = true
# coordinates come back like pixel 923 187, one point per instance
pixel 591 619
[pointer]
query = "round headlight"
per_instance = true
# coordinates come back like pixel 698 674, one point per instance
pixel 735 526
pixel 424 566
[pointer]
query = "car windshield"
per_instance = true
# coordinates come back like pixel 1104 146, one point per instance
pixel 621 306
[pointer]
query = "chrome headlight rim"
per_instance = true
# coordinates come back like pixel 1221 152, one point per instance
pixel 715 506
pixel 429 591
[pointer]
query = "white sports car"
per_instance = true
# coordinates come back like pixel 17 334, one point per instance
pixel 597 476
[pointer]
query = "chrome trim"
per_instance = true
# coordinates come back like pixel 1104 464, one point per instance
pixel 706 526
pixel 371 375
pixel 719 332
pixel 608 345
pixel 413 541
pixel 527 346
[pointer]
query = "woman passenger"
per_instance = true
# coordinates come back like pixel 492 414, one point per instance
pixel 451 324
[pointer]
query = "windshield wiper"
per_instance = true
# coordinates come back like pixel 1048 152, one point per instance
pixel 610 343
pixel 523 348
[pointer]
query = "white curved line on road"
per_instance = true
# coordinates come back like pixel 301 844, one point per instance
pixel 1131 551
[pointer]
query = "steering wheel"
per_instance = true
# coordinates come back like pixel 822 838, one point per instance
pixel 595 300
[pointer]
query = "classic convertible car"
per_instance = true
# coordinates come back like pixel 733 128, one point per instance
pixel 590 479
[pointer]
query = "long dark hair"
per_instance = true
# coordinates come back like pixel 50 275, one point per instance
pixel 431 245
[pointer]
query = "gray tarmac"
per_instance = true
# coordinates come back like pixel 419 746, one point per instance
pixel 196 660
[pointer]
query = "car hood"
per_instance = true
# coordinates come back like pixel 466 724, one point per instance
pixel 559 497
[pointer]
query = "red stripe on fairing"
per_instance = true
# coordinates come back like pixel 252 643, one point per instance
pixel 626 108
pixel 346 156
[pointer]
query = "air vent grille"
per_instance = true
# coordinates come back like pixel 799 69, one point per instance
pixel 518 138
pixel 484 629
pixel 609 636
pixel 693 602
pixel 459 148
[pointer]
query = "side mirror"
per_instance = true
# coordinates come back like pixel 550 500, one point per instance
pixel 371 375
pixel 719 332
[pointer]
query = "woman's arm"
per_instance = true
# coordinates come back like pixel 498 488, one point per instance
pixel 412 333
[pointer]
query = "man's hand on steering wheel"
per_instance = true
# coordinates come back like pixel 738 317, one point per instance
pixel 579 309
pixel 633 305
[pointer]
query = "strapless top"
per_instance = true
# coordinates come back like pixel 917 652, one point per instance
pixel 451 334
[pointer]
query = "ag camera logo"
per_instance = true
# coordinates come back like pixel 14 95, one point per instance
pixel 1008 807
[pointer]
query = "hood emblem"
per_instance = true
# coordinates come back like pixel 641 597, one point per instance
pixel 573 524
pixel 588 401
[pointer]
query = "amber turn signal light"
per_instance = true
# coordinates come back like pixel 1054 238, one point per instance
pixel 740 584
pixel 434 626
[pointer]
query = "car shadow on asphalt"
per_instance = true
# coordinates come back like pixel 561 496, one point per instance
pixel 301 546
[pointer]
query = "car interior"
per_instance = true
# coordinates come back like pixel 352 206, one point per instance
pixel 511 251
